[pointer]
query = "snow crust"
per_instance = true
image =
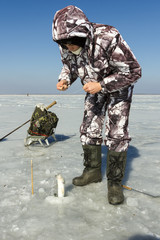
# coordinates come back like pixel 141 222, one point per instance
pixel 84 213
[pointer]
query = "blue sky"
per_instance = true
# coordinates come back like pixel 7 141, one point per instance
pixel 30 60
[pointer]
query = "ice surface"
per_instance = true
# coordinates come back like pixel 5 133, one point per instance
pixel 84 213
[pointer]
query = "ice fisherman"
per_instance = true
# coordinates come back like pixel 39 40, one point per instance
pixel 98 55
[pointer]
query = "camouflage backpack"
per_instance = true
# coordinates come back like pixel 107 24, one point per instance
pixel 42 122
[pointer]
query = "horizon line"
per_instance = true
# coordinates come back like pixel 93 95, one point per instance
pixel 64 94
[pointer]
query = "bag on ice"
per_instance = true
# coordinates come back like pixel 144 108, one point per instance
pixel 42 122
pixel 42 125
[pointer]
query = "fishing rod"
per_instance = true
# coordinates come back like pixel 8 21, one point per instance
pixel 139 191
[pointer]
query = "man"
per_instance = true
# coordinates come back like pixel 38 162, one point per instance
pixel 99 56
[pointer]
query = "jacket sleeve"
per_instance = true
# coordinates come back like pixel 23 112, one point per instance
pixel 125 69
pixel 66 72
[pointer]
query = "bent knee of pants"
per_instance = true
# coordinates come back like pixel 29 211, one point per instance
pixel 91 135
pixel 117 132
pixel 93 120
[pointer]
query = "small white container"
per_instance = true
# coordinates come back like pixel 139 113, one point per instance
pixel 60 186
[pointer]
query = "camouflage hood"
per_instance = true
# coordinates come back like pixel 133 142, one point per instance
pixel 71 22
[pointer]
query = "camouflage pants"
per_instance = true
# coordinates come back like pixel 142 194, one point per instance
pixel 117 105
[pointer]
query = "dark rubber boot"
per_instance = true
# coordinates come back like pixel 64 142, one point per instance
pixel 92 163
pixel 116 162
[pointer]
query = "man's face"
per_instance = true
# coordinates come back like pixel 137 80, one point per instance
pixel 72 47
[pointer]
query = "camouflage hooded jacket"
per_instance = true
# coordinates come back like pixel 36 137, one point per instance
pixel 106 57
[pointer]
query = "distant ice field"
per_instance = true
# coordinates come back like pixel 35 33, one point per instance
pixel 84 213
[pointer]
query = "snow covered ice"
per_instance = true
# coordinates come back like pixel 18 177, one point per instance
pixel 84 213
